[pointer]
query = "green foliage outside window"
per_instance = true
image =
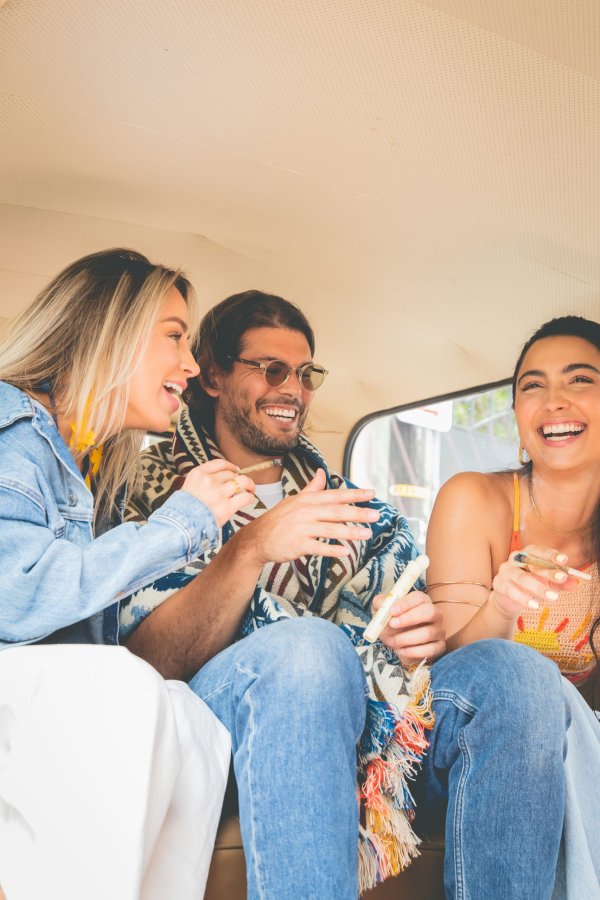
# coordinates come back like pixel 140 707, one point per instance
pixel 487 413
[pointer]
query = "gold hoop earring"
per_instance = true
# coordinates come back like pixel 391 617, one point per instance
pixel 524 457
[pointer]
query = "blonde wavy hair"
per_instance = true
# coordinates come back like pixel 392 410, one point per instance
pixel 84 335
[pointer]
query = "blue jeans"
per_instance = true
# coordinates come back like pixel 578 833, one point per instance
pixel 578 873
pixel 293 696
pixel 496 759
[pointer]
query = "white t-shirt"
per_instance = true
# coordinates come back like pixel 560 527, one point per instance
pixel 270 494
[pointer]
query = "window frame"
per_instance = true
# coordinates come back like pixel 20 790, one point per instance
pixel 404 407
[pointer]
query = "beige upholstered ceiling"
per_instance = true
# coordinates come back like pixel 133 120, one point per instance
pixel 423 178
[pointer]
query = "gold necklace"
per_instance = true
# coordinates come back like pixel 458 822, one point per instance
pixel 547 524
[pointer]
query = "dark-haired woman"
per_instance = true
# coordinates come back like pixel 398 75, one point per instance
pixel 481 526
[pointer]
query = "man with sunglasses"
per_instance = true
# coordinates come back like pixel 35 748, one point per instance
pixel 302 554
pixel 293 695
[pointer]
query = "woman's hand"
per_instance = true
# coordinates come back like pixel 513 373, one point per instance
pixel 217 484
pixel 515 587
pixel 415 630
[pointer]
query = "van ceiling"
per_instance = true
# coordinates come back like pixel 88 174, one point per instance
pixel 422 178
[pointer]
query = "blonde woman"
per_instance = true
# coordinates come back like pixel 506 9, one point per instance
pixel 105 769
pixel 514 555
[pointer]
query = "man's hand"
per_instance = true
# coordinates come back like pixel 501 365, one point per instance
pixel 415 631
pixel 297 526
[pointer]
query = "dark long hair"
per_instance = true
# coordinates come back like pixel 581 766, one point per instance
pixel 571 326
pixel 221 336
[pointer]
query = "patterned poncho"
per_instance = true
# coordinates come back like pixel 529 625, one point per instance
pixel 340 590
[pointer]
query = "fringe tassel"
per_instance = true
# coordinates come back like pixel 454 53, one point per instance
pixel 396 744
pixel 384 854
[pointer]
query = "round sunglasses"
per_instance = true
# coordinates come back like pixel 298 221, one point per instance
pixel 276 372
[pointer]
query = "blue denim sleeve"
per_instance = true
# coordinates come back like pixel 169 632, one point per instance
pixel 48 581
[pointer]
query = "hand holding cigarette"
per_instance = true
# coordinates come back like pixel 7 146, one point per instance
pixel 257 467
pixel 528 561
pixel 532 578
pixel 212 484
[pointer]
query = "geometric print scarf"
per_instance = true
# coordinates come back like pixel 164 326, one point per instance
pixel 399 710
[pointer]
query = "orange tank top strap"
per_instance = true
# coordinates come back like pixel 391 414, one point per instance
pixel 515 538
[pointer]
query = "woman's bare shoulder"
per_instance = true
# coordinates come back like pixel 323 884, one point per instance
pixel 492 491
pixel 471 520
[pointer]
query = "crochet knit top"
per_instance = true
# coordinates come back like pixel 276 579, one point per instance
pixel 561 630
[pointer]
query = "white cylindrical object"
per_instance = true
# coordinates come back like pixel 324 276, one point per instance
pixel 412 572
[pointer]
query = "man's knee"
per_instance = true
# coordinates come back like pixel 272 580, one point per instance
pixel 315 653
pixel 323 672
pixel 308 663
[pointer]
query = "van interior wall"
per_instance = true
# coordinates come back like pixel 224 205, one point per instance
pixel 421 176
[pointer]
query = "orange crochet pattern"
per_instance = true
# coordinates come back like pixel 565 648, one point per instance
pixel 561 630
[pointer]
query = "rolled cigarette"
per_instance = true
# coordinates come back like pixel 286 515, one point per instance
pixel 525 559
pixel 578 573
pixel 412 572
pixel 258 467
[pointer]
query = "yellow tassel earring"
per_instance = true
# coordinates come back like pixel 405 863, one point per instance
pixel 83 441
pixel 93 460
pixel 82 437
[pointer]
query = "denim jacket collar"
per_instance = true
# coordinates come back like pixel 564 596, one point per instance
pixel 15 404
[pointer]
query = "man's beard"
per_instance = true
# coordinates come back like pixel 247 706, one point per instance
pixel 238 416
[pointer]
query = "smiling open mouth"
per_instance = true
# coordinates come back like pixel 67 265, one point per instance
pixel 281 413
pixel 561 432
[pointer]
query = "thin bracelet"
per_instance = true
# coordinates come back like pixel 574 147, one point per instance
pixel 462 602
pixel 437 584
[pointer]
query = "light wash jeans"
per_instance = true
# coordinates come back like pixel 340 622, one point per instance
pixel 293 696
pixel 578 876
pixel 497 758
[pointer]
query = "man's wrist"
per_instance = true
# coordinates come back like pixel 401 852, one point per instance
pixel 245 548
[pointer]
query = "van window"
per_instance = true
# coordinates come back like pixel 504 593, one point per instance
pixel 406 454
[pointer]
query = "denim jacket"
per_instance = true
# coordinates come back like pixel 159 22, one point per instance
pixel 57 582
